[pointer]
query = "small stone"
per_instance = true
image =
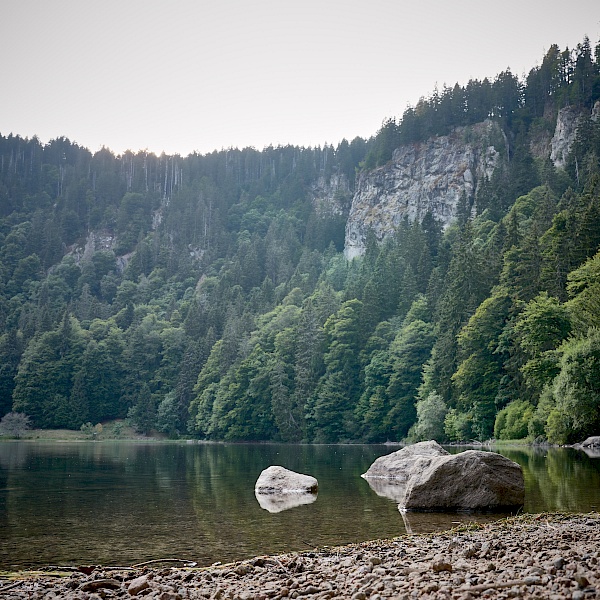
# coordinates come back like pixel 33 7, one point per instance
pixel 577 595
pixel 559 563
pixel 311 589
pixel 581 579
pixel 440 563
pixel 137 585
pixel 169 596
pixel 243 569
pixel 359 596
pixel 375 560
pixel 98 584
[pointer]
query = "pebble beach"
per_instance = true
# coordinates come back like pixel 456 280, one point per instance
pixel 552 556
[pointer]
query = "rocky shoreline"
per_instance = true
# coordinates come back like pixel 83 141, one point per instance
pixel 554 556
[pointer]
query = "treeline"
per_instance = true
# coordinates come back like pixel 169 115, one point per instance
pixel 564 78
pixel 220 304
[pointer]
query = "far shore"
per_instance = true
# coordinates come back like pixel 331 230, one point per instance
pixel 119 431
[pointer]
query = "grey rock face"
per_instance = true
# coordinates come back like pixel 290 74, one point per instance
pixel 426 477
pixel 421 178
pixel 564 135
pixel 471 480
pixel 332 196
pixel 399 465
pixel 593 441
pixel 279 480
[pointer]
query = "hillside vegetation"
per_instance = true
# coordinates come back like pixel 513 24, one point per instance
pixel 208 295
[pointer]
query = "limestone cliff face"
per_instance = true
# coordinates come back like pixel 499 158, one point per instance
pixel 425 177
pixel 564 135
pixel 567 121
pixel 332 195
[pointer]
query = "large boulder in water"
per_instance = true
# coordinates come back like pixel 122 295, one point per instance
pixel 471 480
pixel 399 465
pixel 429 478
pixel 591 446
pixel 279 480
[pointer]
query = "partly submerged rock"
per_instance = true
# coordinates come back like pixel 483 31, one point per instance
pixel 591 442
pixel 426 477
pixel 400 464
pixel 278 488
pixel 471 480
pixel 591 446
pixel 277 480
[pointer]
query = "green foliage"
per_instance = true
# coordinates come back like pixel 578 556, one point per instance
pixel 512 422
pixel 208 294
pixel 458 426
pixel 576 391
pixel 541 328
pixel 431 414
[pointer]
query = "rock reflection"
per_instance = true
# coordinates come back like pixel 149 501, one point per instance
pixel 393 489
pixel 275 503
pixel 426 522
pixel 592 451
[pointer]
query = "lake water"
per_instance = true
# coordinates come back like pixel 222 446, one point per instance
pixel 122 503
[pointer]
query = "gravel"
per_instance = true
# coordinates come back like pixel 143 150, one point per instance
pixel 552 556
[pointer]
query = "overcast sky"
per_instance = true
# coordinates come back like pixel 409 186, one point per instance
pixel 195 75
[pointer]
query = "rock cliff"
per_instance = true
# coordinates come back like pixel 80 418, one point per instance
pixel 567 122
pixel 332 195
pixel 423 177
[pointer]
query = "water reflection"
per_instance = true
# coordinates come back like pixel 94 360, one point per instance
pixel 392 489
pixel 118 503
pixel 275 503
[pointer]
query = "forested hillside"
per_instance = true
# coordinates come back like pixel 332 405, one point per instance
pixel 208 295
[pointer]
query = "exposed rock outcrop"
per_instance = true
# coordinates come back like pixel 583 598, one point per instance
pixel 332 195
pixel 567 121
pixel 426 477
pixel 425 177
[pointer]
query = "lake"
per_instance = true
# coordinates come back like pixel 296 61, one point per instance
pixel 122 503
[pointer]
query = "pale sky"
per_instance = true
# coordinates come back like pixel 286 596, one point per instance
pixel 195 75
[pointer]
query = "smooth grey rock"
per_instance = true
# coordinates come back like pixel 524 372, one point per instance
pixel 471 480
pixel 138 585
pixel 426 477
pixel 591 446
pixel 279 480
pixel 400 464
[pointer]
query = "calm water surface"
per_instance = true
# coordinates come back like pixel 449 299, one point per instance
pixel 120 503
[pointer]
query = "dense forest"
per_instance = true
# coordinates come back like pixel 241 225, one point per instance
pixel 208 295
